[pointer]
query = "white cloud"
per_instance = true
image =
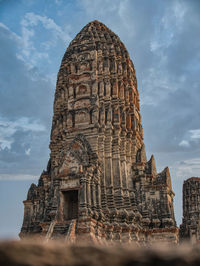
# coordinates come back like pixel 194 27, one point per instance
pixel 39 35
pixel 32 20
pixel 190 137
pixel 184 143
pixel 4 26
pixel 169 26
pixel 4 143
pixel 26 41
pixel 179 11
pixel 9 128
pixel 156 84
pixel 11 177
pixel 126 16
pixel 195 134
pixel 186 168
pixel 23 123
pixel 11 34
pixel 31 48
pixel 28 151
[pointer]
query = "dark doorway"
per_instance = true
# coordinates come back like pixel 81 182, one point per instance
pixel 70 204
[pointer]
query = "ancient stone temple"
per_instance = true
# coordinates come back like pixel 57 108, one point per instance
pixel 98 184
pixel 190 228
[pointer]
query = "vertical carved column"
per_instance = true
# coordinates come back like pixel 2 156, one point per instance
pixel 93 189
pixel 109 236
pixel 117 179
pixel 83 202
pixel 117 232
pixel 98 196
pixel 54 213
pixel 123 159
pixel 101 88
pixel 101 153
pixel 28 213
pixel 126 233
pixel 88 192
pixel 134 236
pixel 102 117
pixel 108 171
pixel 121 89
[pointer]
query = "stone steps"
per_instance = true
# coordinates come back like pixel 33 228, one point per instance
pixel 60 231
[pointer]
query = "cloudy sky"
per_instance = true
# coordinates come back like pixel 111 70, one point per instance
pixel 163 39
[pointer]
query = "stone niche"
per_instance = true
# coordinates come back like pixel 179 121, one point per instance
pixel 82 118
pixel 82 91
pixel 85 67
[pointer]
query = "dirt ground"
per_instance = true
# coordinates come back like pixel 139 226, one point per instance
pixel 56 253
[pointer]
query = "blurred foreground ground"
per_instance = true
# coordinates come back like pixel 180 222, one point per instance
pixel 56 253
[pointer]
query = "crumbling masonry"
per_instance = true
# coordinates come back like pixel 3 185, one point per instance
pixel 98 185
pixel 190 227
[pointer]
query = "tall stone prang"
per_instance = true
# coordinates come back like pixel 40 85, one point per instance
pixel 190 227
pixel 98 184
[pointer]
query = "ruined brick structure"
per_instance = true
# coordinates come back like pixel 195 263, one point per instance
pixel 98 184
pixel 190 228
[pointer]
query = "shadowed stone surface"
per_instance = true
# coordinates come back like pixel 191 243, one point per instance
pixel 99 185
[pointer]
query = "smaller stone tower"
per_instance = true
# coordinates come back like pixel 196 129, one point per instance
pixel 190 227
